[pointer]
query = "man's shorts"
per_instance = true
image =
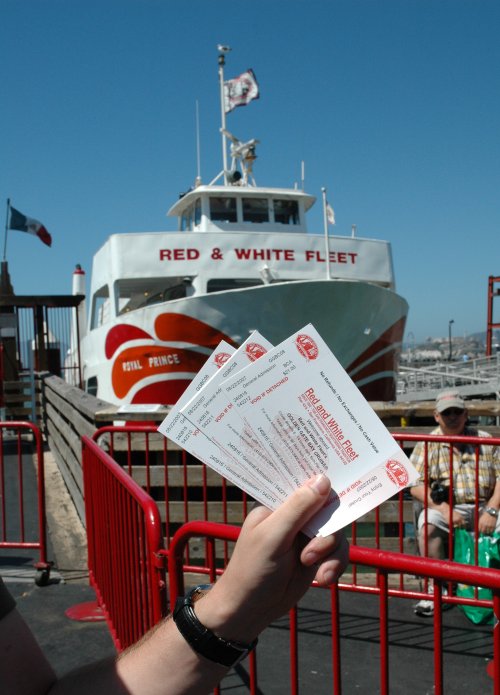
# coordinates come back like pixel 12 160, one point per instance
pixel 466 510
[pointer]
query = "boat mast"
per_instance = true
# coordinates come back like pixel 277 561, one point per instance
pixel 327 239
pixel 222 61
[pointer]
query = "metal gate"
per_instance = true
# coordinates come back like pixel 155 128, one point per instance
pixel 36 334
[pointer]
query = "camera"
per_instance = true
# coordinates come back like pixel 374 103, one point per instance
pixel 439 493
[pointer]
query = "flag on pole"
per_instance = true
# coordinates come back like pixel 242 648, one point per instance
pixel 240 91
pixel 21 223
pixel 330 215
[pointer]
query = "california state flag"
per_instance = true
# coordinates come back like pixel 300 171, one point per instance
pixel 21 223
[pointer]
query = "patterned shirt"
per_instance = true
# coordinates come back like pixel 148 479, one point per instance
pixel 464 466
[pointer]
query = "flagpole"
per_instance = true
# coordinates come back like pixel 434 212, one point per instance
pixel 6 228
pixel 222 61
pixel 327 242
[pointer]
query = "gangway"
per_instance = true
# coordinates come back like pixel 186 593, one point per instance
pixel 475 378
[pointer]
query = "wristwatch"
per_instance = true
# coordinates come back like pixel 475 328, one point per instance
pixel 200 638
pixel 492 511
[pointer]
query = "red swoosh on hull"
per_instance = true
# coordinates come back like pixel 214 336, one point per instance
pixel 384 388
pixel 164 392
pixel 121 334
pixel 185 329
pixel 137 363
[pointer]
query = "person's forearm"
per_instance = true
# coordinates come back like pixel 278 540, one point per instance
pixel 271 568
pixel 97 678
pixel 494 500
pixel 161 664
pixel 166 665
pixel 418 493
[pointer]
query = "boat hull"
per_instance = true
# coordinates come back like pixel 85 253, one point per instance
pixel 150 355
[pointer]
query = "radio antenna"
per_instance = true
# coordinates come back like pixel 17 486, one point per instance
pixel 198 164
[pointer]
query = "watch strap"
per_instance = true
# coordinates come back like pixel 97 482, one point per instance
pixel 200 638
pixel 492 511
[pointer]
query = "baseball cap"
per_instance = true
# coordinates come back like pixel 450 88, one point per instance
pixel 449 399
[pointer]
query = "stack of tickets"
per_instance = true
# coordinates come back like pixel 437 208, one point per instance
pixel 268 418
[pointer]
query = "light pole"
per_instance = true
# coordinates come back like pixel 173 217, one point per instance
pixel 449 337
pixel 410 346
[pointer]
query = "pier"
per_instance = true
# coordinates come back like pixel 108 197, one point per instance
pixel 70 643
pixel 65 413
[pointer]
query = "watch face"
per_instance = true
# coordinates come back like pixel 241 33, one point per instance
pixel 199 591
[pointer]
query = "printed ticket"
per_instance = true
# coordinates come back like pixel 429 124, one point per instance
pixel 203 411
pixel 295 412
pixel 224 360
pixel 174 422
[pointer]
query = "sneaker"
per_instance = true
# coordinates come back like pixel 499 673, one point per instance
pixel 425 607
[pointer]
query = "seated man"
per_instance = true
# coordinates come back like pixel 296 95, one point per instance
pixel 451 415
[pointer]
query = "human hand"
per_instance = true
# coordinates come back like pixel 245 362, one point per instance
pixel 273 565
pixel 486 523
pixel 458 520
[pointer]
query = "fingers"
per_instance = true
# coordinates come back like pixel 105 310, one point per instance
pixel 319 548
pixel 330 553
pixel 331 569
pixel 301 506
pixel 485 528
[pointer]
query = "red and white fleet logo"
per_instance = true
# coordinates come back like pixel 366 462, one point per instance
pixel 221 358
pixel 306 346
pixel 397 473
pixel 254 351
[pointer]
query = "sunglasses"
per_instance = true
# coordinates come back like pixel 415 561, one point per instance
pixel 453 412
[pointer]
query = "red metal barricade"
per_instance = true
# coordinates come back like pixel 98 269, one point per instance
pixel 127 569
pixel 22 493
pixel 185 490
pixel 124 537
pixel 477 443
pixel 404 512
pixel 384 563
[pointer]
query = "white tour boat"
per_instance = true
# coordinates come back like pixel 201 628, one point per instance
pixel 241 259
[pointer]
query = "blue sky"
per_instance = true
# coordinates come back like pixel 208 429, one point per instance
pixel 394 106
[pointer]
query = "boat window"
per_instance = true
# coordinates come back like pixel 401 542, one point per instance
pixel 91 386
pixel 187 219
pixel 220 284
pixel 197 212
pixel 191 216
pixel 223 209
pixel 137 293
pixel 286 211
pixel 100 308
pixel 255 210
